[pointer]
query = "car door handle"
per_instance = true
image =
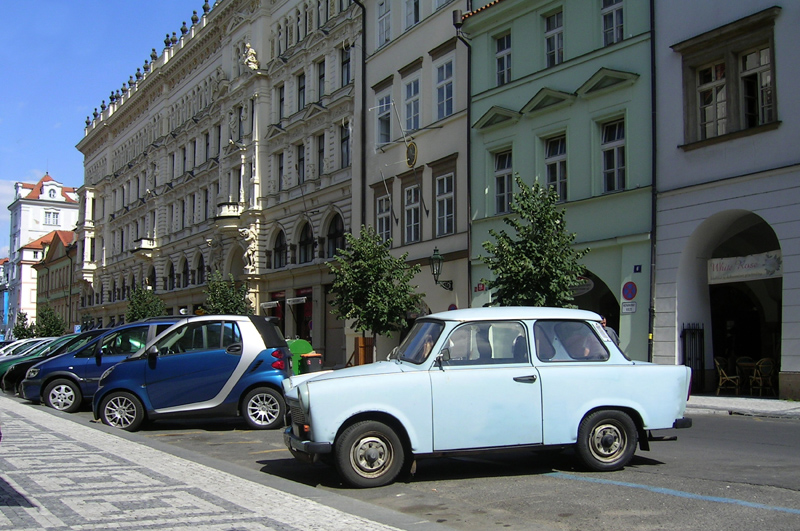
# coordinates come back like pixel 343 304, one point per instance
pixel 525 379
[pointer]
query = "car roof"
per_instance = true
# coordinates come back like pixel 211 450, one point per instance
pixel 513 312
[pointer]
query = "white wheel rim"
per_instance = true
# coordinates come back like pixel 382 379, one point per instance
pixel 61 397
pixel 371 456
pixel 263 409
pixel 120 412
pixel 607 442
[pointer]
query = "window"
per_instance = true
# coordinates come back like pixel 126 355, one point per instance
pixel 411 213
pixel 412 12
pixel 344 147
pixel 488 343
pixel 412 105
pixel 281 101
pixel 279 251
pixel 568 341
pixel 320 154
pixel 503 59
pixel 503 183
pixel 384 119
pixel 301 164
pixel 611 14
pixel 51 218
pixel 444 89
pixel 301 91
pixel 445 202
pixel 555 159
pixel 384 217
pixel 613 155
pixel 320 79
pixel 554 39
pixel 346 77
pixel 279 168
pixel 384 22
pixel 51 194
pixel 199 336
pixel 729 78
pixel 306 245
pixel 335 236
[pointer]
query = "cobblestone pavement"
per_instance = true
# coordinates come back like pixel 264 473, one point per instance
pixel 57 474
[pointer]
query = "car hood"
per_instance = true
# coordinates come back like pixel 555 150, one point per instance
pixel 380 367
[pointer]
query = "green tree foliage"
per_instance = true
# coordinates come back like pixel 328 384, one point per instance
pixel 48 323
pixel 537 265
pixel 372 287
pixel 144 303
pixel 224 298
pixel 23 330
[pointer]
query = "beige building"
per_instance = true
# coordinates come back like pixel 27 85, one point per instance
pixel 229 151
pixel 411 178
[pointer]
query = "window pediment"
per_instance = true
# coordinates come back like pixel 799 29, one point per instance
pixel 548 99
pixel 606 80
pixel 313 110
pixel 497 116
pixel 274 131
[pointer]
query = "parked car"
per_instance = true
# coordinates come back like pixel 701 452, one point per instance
pixel 213 365
pixel 63 382
pixel 8 361
pixel 12 380
pixel 486 379
pixel 23 345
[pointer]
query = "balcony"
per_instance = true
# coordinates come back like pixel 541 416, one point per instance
pixel 143 248
pixel 228 214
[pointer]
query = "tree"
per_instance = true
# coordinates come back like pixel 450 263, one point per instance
pixel 48 323
pixel 538 267
pixel 224 298
pixel 23 330
pixel 143 303
pixel 372 286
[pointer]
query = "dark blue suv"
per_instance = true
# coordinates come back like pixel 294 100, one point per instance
pixel 63 382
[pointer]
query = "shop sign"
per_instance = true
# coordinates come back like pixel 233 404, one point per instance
pixel 628 307
pixel 583 286
pixel 745 268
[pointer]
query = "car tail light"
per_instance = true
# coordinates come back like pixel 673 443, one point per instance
pixel 279 364
pixel 278 353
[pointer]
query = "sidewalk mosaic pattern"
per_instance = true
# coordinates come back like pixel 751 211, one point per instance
pixel 60 475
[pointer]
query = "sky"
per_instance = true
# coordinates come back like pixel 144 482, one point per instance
pixel 58 60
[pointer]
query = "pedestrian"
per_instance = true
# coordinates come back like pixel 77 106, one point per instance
pixel 610 331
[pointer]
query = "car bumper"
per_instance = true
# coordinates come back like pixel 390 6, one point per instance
pixel 31 390
pixel 684 422
pixel 308 448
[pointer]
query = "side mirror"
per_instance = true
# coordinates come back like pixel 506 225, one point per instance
pixel 444 354
pixel 152 352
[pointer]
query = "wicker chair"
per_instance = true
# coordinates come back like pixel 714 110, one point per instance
pixel 762 376
pixel 725 381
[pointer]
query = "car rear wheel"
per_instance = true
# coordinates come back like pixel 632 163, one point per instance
pixel 122 410
pixel 607 440
pixel 264 408
pixel 63 395
pixel 369 454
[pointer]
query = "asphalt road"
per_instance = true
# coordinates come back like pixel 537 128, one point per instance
pixel 726 473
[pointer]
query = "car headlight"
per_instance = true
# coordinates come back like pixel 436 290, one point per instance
pixel 304 398
pixel 33 372
pixel 105 374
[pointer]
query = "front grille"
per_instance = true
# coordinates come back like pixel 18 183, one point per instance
pixel 298 417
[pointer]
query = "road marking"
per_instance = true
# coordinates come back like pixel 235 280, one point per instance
pixel 269 451
pixel 677 493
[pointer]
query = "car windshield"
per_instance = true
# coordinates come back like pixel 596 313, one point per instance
pixel 419 342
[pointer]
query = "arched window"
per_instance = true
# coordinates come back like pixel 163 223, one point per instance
pixel 170 281
pixel 279 251
pixel 306 245
pixel 335 236
pixel 185 275
pixel 200 275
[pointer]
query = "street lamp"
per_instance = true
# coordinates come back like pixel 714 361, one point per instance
pixel 436 270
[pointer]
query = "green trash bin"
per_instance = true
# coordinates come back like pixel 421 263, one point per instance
pixel 298 347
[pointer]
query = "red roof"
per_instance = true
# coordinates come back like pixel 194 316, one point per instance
pixel 36 189
pixel 66 237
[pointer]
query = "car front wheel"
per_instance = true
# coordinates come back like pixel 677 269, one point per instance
pixel 63 395
pixel 369 454
pixel 264 408
pixel 607 440
pixel 122 410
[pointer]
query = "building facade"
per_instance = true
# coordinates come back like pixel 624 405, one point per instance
pixel 411 168
pixel 37 210
pixel 561 94
pixel 727 215
pixel 228 151
pixel 55 275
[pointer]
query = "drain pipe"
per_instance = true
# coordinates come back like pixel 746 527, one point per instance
pixel 654 188
pixel 363 117
pixel 458 21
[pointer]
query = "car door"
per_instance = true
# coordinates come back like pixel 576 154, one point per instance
pixel 193 364
pixel 113 348
pixel 485 391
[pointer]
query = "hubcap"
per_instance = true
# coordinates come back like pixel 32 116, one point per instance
pixel 371 456
pixel 607 442
pixel 263 409
pixel 62 397
pixel 120 412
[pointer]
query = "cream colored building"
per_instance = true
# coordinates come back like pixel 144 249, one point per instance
pixel 411 180
pixel 228 151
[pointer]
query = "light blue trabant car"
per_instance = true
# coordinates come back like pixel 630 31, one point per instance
pixel 485 379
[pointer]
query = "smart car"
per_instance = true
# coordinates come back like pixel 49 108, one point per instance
pixel 494 378
pixel 213 366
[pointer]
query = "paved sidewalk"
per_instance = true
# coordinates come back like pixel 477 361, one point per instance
pixel 734 405
pixel 58 474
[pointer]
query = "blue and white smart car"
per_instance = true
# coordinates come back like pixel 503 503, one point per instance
pixel 485 379
pixel 212 365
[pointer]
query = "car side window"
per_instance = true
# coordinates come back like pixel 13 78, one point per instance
pixel 124 342
pixel 487 343
pixel 567 341
pixel 194 337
